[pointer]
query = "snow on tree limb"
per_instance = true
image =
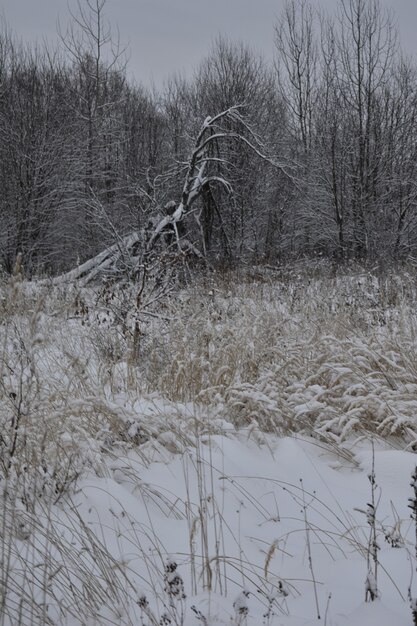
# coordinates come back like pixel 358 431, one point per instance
pixel 85 272
pixel 197 178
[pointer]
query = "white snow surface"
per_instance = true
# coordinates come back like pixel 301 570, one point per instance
pixel 250 496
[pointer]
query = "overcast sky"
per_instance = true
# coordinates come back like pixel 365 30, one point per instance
pixel 166 36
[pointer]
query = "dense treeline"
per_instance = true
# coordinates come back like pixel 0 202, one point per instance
pixel 86 156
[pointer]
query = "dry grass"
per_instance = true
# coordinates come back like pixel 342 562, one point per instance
pixel 328 356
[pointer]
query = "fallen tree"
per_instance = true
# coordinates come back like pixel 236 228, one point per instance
pixel 131 252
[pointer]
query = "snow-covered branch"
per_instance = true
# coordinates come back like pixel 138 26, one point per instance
pixel 197 178
pixel 201 170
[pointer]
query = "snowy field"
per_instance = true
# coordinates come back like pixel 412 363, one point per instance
pixel 238 452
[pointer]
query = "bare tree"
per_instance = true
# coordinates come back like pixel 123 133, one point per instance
pixel 98 64
pixel 365 56
pixel 36 155
pixel 298 72
pixel 336 94
pixel 296 63
pixel 134 250
pixel 232 74
pixel 398 112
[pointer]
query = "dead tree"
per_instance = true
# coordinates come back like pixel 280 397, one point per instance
pixel 200 175
pixel 133 251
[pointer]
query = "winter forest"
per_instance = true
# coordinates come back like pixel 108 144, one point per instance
pixel 88 156
pixel 208 328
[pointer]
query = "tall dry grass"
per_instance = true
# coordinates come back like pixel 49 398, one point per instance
pixel 325 354
pixel 332 356
pixel 329 356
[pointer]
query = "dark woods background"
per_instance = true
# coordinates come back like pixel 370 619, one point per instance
pixel 87 156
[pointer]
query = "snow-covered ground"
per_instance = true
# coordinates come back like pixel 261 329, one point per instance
pixel 246 512
pixel 222 471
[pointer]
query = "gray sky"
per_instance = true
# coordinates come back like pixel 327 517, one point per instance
pixel 166 36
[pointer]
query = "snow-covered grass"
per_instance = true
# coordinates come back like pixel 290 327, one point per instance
pixel 217 445
pixel 331 356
